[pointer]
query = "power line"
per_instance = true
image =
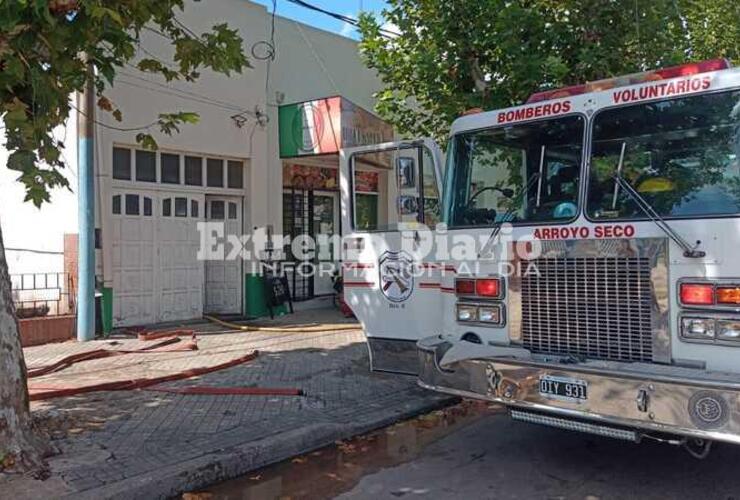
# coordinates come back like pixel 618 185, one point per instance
pixel 186 28
pixel 341 17
pixel 269 56
pixel 179 96
pixel 112 127
pixel 274 49
pixel 31 250
pixel 170 90
pixel 157 32
pixel 141 47
pixel 317 57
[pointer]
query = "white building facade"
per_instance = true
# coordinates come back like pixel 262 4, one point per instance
pixel 227 168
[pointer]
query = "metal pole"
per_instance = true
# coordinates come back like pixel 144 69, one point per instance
pixel 86 211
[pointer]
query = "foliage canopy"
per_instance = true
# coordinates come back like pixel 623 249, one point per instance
pixel 45 47
pixel 453 55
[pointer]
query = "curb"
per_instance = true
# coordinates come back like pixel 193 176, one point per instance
pixel 229 463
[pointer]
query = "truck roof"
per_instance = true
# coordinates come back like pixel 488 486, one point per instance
pixel 620 91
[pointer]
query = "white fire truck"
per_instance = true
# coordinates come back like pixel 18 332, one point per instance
pixel 603 292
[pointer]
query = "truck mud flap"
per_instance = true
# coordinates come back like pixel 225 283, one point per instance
pixel 393 355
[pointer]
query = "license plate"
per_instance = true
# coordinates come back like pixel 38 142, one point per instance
pixel 563 388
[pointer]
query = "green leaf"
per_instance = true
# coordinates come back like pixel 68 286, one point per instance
pixel 22 161
pixel 147 141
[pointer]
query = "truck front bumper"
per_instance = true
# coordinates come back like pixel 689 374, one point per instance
pixel 650 399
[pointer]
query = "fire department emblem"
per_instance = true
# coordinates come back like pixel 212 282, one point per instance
pixel 396 275
pixel 708 410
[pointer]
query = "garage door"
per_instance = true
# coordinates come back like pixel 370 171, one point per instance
pixel 133 256
pixel 156 274
pixel 223 277
pixel 180 273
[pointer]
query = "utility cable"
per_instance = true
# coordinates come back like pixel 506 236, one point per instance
pixel 341 17
pixel 171 89
pixel 317 57
pixel 112 127
pixel 31 250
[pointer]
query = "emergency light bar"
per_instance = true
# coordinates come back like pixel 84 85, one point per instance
pixel 633 79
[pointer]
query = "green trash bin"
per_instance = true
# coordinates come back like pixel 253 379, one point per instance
pixel 255 298
pixel 255 305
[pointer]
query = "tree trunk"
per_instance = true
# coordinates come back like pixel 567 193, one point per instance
pixel 21 448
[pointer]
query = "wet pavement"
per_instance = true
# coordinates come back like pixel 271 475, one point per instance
pixel 474 451
pixel 133 444
pixel 330 471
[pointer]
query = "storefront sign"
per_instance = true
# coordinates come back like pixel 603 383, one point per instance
pixel 310 177
pixel 326 125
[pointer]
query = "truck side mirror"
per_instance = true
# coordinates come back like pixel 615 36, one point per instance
pixel 408 205
pixel 406 171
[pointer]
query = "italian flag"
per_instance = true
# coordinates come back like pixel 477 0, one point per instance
pixel 310 128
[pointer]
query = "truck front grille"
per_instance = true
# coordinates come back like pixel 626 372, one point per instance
pixel 597 307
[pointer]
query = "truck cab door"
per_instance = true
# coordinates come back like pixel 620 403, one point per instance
pixel 391 204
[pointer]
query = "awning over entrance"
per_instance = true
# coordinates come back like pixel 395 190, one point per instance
pixel 327 125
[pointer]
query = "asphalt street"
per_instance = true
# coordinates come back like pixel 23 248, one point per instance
pixel 495 457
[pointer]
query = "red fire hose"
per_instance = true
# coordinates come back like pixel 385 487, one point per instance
pixel 43 392
pixel 38 393
pixel 171 343
pixel 143 335
pixel 68 361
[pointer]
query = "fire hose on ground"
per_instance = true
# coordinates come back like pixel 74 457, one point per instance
pixel 170 343
pixel 277 329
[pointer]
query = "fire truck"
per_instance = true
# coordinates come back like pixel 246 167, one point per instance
pixel 575 258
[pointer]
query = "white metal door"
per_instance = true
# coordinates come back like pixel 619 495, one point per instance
pixel 387 191
pixel 179 272
pixel 134 270
pixel 223 284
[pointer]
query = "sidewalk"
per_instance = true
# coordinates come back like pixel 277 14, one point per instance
pixel 143 444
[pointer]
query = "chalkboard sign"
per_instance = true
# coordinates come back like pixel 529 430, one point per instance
pixel 278 292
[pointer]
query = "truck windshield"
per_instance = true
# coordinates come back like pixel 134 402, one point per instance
pixel 488 168
pixel 682 156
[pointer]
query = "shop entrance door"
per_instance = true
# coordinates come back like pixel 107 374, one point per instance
pixel 325 229
pixel 297 219
pixel 314 214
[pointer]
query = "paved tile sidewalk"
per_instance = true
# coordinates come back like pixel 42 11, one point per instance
pixel 142 444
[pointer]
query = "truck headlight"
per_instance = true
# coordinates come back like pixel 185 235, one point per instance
pixel 728 329
pixel 467 313
pixel 697 328
pixel 489 314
